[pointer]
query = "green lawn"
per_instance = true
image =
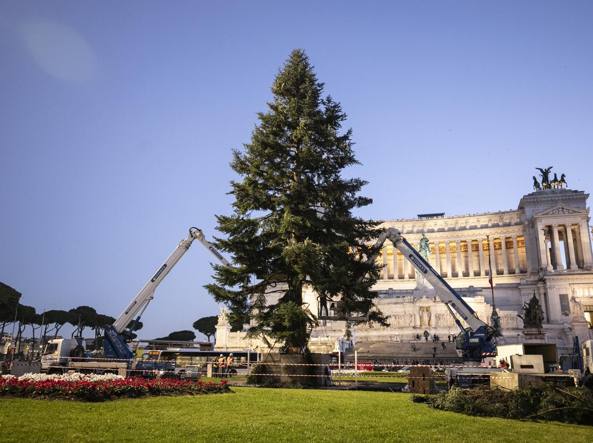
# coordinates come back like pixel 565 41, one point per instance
pixel 373 376
pixel 382 377
pixel 259 414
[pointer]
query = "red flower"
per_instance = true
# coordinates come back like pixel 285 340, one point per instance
pixel 107 389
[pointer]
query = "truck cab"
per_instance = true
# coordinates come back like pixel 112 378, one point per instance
pixel 58 353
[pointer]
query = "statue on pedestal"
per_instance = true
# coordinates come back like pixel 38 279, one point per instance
pixel 576 309
pixel 533 314
pixel 424 250
pixel 223 317
pixel 424 247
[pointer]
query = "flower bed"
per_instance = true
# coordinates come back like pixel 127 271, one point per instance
pixel 92 387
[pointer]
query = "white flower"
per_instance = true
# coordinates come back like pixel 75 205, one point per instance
pixel 70 376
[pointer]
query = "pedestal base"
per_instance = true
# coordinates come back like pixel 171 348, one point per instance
pixel 534 334
pixel 292 370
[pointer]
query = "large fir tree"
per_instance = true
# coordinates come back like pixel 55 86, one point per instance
pixel 292 224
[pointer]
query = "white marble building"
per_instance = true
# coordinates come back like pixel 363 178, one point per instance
pixel 543 248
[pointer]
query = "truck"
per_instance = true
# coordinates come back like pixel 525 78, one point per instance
pixel 62 354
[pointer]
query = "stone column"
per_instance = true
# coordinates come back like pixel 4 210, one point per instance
pixel 543 248
pixel 385 272
pixel 448 255
pixel 481 253
pixel 516 255
pixel 505 258
pixel 579 246
pixel 437 254
pixel 549 250
pixel 556 248
pixel 470 259
pixel 405 268
pixel 492 255
pixel 586 244
pixel 570 242
pixel 459 262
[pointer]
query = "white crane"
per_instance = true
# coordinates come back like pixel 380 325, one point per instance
pixel 139 304
pixel 473 343
pixel 114 344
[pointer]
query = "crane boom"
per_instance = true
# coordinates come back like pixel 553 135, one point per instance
pixel 146 294
pixel 114 344
pixel 444 291
pixel 473 343
pixel 199 235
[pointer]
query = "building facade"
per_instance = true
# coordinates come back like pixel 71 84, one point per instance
pixel 542 248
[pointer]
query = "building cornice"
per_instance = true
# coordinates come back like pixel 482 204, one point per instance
pixel 552 195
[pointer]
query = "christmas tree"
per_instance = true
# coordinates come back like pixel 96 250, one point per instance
pixel 292 225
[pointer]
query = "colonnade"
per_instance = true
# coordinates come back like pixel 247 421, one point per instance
pixel 564 246
pixel 461 258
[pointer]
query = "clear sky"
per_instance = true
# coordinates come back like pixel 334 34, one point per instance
pixel 117 121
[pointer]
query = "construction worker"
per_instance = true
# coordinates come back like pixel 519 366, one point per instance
pixel 220 364
pixel 229 364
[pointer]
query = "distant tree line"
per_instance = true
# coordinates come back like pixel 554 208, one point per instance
pixel 47 324
pixel 205 325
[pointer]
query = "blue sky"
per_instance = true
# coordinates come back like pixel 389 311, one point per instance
pixel 118 120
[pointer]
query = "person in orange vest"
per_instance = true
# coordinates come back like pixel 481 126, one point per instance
pixel 229 364
pixel 220 364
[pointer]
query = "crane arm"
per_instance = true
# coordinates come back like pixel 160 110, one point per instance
pixel 199 235
pixel 146 294
pixel 444 291
pixel 473 343
pixel 115 345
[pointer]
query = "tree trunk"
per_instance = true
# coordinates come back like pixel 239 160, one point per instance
pixel 19 336
pixel 292 370
pixel 32 351
pixel 44 335
pixel 58 327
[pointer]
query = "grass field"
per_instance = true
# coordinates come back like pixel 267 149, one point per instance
pixel 259 414
pixel 382 377
pixel 374 377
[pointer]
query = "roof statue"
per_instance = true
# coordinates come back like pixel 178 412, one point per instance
pixel 546 183
pixel 562 181
pixel 545 176
pixel 533 315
